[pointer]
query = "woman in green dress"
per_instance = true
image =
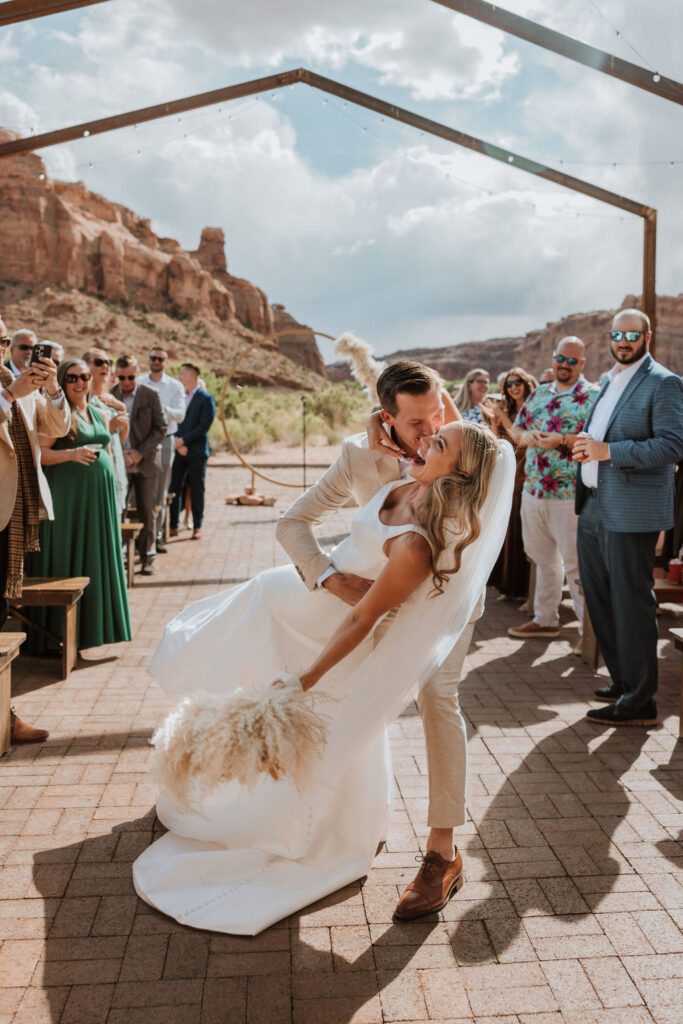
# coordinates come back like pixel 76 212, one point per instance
pixel 84 539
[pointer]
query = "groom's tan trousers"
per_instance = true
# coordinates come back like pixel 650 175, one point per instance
pixel 445 730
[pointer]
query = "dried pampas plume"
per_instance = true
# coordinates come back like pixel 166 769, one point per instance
pixel 244 736
pixel 364 367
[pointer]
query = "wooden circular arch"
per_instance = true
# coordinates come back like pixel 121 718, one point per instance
pixel 255 343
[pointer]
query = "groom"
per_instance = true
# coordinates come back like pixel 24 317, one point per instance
pixel 413 404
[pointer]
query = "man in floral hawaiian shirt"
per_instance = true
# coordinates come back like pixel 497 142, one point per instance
pixel 547 425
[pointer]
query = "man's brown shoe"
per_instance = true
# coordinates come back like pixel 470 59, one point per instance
pixel 435 883
pixel 22 733
pixel 532 630
pixel 173 532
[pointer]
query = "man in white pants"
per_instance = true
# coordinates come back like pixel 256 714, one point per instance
pixel 172 395
pixel 413 406
pixel 547 425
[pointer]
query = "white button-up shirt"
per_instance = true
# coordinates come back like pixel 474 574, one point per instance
pixel 172 395
pixel 618 377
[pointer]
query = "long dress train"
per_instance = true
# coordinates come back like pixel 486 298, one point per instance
pixel 243 860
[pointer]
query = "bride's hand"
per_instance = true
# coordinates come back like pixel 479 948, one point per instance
pixel 379 440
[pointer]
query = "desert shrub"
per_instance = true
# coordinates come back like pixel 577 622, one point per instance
pixel 258 416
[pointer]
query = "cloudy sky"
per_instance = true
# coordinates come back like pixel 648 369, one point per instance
pixel 356 223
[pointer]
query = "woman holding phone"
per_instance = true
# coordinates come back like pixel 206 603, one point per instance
pixel 85 537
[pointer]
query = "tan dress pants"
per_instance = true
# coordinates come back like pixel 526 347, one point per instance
pixel 445 729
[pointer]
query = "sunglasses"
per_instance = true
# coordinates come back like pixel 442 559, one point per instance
pixel 569 360
pixel 157 359
pixel 4 341
pixel 73 378
pixel 480 380
pixel 629 335
pixel 97 361
pixel 514 383
pixel 126 376
pixel 25 348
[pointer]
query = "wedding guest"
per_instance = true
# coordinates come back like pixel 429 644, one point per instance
pixel 172 395
pixel 100 366
pixel 21 347
pixel 141 451
pixel 511 572
pixel 85 537
pixel 546 426
pixel 192 449
pixel 25 495
pixel 624 497
pixel 471 395
pixel 57 354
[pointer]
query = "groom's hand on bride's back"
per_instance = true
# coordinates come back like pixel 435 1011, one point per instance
pixel 347 587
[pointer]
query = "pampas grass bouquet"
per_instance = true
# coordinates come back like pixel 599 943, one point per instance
pixel 245 735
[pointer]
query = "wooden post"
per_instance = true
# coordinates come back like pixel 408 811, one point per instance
pixel 9 648
pixel 649 273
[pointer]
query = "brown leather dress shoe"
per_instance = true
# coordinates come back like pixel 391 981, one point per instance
pixel 435 883
pixel 22 733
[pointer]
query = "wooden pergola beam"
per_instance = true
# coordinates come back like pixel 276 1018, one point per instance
pixel 345 92
pixel 12 11
pixel 567 46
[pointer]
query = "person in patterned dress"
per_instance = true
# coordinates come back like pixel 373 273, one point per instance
pixel 547 425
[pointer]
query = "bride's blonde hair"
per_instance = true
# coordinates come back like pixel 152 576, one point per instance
pixel 451 504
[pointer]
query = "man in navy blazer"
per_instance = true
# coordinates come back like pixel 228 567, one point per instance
pixel 192 449
pixel 624 497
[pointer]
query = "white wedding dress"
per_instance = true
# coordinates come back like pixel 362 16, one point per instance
pixel 245 859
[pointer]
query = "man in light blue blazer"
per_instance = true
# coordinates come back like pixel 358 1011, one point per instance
pixel 624 497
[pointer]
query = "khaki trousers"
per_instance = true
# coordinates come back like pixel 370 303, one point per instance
pixel 445 730
pixel 549 535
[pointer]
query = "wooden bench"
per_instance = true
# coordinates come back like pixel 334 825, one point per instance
pixel 9 648
pixel 129 534
pixel 678 641
pixel 664 591
pixel 39 592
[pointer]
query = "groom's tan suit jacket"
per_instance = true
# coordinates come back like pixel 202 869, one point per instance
pixel 358 473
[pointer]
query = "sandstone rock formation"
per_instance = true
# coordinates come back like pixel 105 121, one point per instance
pixel 61 234
pixel 299 342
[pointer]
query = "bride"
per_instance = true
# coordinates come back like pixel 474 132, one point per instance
pixel 239 860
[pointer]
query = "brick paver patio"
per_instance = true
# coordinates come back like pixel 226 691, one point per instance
pixel 573 904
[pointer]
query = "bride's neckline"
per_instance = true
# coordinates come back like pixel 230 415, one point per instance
pixel 392 487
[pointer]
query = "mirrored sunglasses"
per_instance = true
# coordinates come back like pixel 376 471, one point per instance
pixel 629 335
pixel 569 360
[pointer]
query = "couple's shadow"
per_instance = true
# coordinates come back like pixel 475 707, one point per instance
pixel 109 956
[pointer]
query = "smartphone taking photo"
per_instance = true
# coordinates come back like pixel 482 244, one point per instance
pixel 41 350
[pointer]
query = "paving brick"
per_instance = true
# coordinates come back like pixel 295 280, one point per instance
pixel 187 955
pixel 88 1003
pixel 611 982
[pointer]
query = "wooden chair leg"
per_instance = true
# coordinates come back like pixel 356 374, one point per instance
pixel 130 561
pixel 69 649
pixel 5 699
